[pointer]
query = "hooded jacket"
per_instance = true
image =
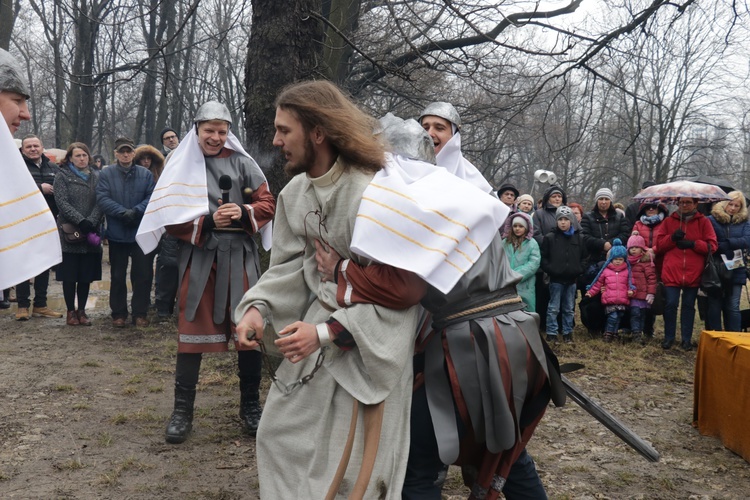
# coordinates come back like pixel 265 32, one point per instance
pixel 644 277
pixel 732 233
pixel 157 159
pixel 684 267
pixel 544 218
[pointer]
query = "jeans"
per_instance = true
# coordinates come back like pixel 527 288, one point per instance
pixel 638 319
pixel 728 305
pixel 23 291
pixel 141 274
pixel 523 480
pixel 687 315
pixel 562 298
pixel 613 321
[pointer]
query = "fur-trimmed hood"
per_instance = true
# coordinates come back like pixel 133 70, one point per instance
pixel 722 217
pixel 157 159
pixel 508 225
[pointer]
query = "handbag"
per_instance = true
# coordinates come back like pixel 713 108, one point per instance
pixel 725 275
pixel 72 233
pixel 710 279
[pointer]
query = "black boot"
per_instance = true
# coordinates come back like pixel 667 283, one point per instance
pixel 181 422
pixel 250 409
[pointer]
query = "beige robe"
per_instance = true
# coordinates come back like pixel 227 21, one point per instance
pixel 302 435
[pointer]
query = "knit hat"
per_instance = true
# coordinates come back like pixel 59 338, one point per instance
pixel 618 251
pixel 164 131
pixel 604 193
pixel 525 197
pixel 515 218
pixel 564 212
pixel 637 240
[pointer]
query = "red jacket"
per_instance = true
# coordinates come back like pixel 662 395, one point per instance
pixel 683 268
pixel 644 277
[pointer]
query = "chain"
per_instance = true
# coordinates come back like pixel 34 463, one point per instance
pixel 287 389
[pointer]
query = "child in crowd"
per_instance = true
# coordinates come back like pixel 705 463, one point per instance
pixel 523 255
pixel 563 253
pixel 616 284
pixel 644 279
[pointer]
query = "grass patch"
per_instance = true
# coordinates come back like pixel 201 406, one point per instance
pixel 64 388
pixel 74 464
pixel 117 371
pixel 81 406
pixel 130 391
pixel 90 364
pixel 119 419
pixel 104 439
pixel 156 389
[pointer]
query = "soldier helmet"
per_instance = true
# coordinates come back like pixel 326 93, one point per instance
pixel 443 110
pixel 213 110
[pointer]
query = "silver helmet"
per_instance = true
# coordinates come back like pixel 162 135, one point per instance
pixel 407 138
pixel 213 110
pixel 12 77
pixel 443 110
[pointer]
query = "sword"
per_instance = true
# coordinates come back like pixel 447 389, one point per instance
pixel 607 419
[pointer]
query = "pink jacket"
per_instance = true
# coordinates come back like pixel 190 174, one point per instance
pixel 644 278
pixel 614 279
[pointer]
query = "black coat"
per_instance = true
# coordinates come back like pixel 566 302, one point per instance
pixel 563 256
pixel 44 173
pixel 598 230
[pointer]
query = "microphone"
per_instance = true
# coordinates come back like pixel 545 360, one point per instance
pixel 225 184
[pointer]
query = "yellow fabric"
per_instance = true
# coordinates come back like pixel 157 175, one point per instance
pixel 721 405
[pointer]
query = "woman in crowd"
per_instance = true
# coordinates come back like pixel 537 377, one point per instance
pixel 523 255
pixel 729 220
pixel 577 210
pixel 99 162
pixel 649 216
pixel 75 194
pixel 149 157
pixel 685 239
pixel 525 204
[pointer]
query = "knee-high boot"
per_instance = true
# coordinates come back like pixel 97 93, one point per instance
pixel 181 422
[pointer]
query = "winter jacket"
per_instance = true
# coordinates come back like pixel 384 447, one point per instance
pixel 648 232
pixel 120 190
pixel 614 279
pixel 525 261
pixel 76 200
pixel 45 173
pixel 157 159
pixel 598 230
pixel 732 233
pixel 644 278
pixel 684 267
pixel 563 256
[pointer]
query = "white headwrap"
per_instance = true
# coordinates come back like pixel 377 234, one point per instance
pixel 452 159
pixel 181 195
pixel 29 241
pixel 421 218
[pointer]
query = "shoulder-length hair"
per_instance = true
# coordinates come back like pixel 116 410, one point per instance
pixel 348 129
pixel 74 145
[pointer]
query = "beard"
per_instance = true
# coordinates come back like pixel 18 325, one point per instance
pixel 291 169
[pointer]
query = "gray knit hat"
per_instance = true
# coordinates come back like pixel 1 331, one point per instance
pixel 604 193
pixel 12 78
pixel 564 212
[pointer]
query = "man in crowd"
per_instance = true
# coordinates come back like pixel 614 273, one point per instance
pixel 43 171
pixel 169 140
pixel 30 228
pixel 123 193
pixel 338 360
pixel 218 258
pixel 508 194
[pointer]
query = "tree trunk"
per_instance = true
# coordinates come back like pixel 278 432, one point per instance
pixel 284 47
pixel 8 12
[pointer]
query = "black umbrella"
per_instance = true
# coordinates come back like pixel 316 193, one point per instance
pixel 716 181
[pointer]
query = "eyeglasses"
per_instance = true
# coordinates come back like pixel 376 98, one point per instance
pixel 686 202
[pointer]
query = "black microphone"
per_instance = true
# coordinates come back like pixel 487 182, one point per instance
pixel 225 184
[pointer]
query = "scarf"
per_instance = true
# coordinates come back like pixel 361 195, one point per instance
pixel 83 174
pixel 570 232
pixel 652 220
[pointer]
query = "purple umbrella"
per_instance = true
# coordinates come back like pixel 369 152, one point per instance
pixel 671 192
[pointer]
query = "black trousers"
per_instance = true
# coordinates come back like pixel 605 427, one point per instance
pixel 249 366
pixel 23 291
pixel 141 276
pixel 167 278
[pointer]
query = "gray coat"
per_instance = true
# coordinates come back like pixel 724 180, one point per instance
pixel 76 200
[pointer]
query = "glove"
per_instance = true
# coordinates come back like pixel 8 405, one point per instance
pixel 130 217
pixel 685 244
pixel 650 298
pixel 678 235
pixel 86 226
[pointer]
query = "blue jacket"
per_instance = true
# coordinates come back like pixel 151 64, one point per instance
pixel 119 190
pixel 732 233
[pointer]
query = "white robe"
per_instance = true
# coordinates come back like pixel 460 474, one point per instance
pixel 301 436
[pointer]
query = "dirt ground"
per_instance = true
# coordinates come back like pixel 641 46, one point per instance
pixel 83 410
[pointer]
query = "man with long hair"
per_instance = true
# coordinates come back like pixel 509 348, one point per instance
pixel 336 419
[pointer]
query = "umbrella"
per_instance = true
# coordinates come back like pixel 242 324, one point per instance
pixel 671 192
pixel 716 181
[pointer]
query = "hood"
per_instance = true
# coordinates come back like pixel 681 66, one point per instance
pixel 722 217
pixel 661 207
pixel 554 187
pixel 157 159
pixel 508 225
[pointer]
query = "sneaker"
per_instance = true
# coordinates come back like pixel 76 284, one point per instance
pixel 46 312
pixel 568 339
pixel 142 322
pixel 22 314
pixel 119 323
pixel 551 338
